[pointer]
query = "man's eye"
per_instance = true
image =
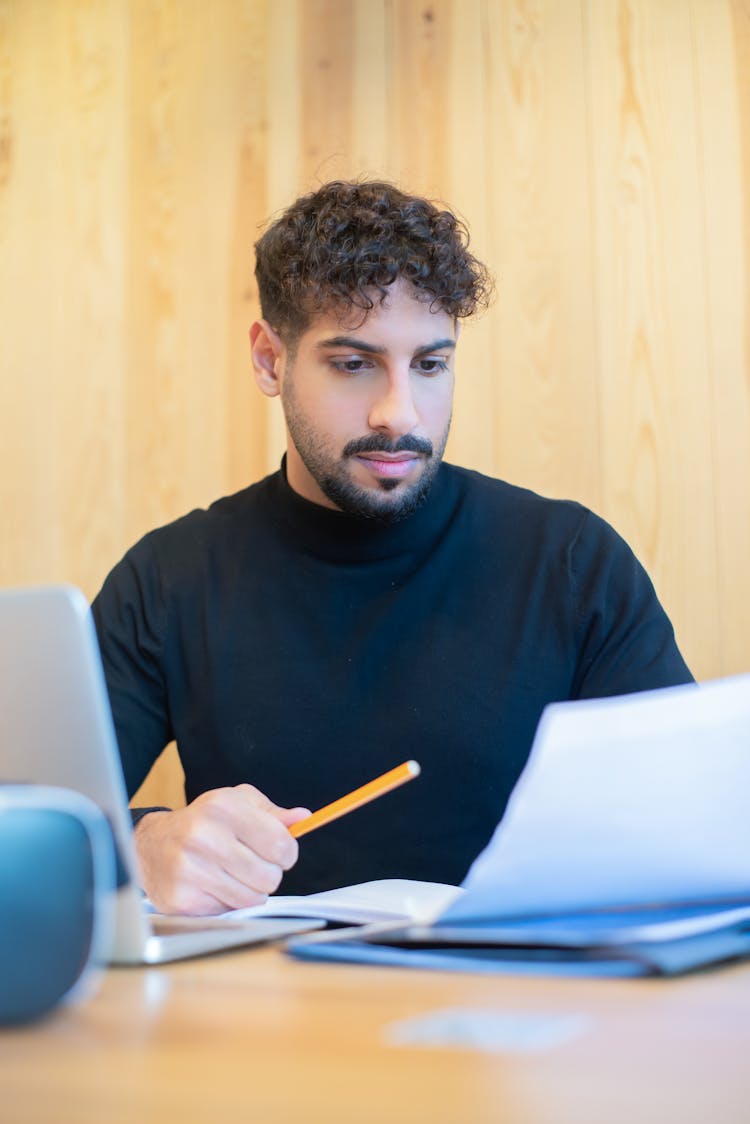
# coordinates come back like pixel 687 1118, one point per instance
pixel 431 366
pixel 350 366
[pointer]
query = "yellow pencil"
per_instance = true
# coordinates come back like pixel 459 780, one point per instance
pixel 370 791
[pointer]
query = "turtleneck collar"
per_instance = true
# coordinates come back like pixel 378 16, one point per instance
pixel 335 536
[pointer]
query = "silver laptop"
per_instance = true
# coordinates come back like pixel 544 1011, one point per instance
pixel 56 728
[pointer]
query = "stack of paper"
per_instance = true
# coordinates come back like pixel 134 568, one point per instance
pixel 625 847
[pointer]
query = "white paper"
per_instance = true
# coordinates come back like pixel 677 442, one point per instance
pixel 638 799
pixel 387 899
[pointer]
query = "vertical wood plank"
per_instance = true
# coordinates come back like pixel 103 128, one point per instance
pixel 371 80
pixel 419 43
pixel 467 190
pixel 546 402
pixel 61 226
pixel 283 99
pixel 89 438
pixel 242 51
pixel 26 61
pixel 721 43
pixel 284 161
pixel 326 85
pixel 182 196
pixel 657 472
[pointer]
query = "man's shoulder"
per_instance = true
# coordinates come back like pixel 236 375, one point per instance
pixel 202 533
pixel 534 522
pixel 499 498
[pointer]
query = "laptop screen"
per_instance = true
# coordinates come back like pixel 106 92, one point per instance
pixel 55 722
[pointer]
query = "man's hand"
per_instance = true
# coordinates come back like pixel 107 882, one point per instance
pixel 226 850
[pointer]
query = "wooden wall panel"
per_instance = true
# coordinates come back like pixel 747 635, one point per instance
pixel 650 295
pixel 178 295
pixel 327 69
pixel 62 235
pixel 245 59
pixel 371 89
pixel 420 44
pixel 725 168
pixel 543 354
pixel 598 149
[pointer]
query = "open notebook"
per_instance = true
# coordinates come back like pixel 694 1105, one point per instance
pixel 386 899
pixel 56 729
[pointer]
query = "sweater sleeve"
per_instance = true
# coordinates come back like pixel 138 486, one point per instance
pixel 626 640
pixel 130 618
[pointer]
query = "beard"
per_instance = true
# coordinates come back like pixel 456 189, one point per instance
pixel 389 502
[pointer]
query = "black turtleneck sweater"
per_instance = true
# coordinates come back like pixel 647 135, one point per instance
pixel 306 651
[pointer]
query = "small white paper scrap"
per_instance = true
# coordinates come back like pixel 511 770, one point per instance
pixel 491 1031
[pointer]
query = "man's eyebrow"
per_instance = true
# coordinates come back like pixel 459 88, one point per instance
pixel 438 345
pixel 350 342
pixel 373 349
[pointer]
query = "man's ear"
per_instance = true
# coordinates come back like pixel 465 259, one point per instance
pixel 267 352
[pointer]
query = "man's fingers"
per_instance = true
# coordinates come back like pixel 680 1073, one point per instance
pixel 289 816
pixel 205 888
pixel 244 867
pixel 261 825
pixel 254 797
pixel 243 839
pixel 228 849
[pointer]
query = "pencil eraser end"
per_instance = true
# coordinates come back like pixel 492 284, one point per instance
pixel 414 768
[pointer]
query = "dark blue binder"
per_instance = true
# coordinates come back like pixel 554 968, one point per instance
pixel 621 943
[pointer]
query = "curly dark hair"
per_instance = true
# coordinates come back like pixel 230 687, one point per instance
pixel 342 245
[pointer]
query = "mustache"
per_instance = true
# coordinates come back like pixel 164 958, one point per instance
pixel 379 443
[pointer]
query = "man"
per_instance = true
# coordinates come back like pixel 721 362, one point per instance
pixel 367 603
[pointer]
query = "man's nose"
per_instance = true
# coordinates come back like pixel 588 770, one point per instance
pixel 394 410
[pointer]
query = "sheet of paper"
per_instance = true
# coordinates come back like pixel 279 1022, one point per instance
pixel 387 899
pixel 630 800
pixel 607 927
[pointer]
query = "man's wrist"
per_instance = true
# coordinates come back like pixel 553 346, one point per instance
pixel 138 814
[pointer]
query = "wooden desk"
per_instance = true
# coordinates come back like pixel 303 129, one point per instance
pixel 253 1036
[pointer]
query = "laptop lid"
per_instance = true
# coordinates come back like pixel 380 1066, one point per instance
pixel 56 728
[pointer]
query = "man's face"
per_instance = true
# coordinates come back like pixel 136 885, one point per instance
pixel 368 405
